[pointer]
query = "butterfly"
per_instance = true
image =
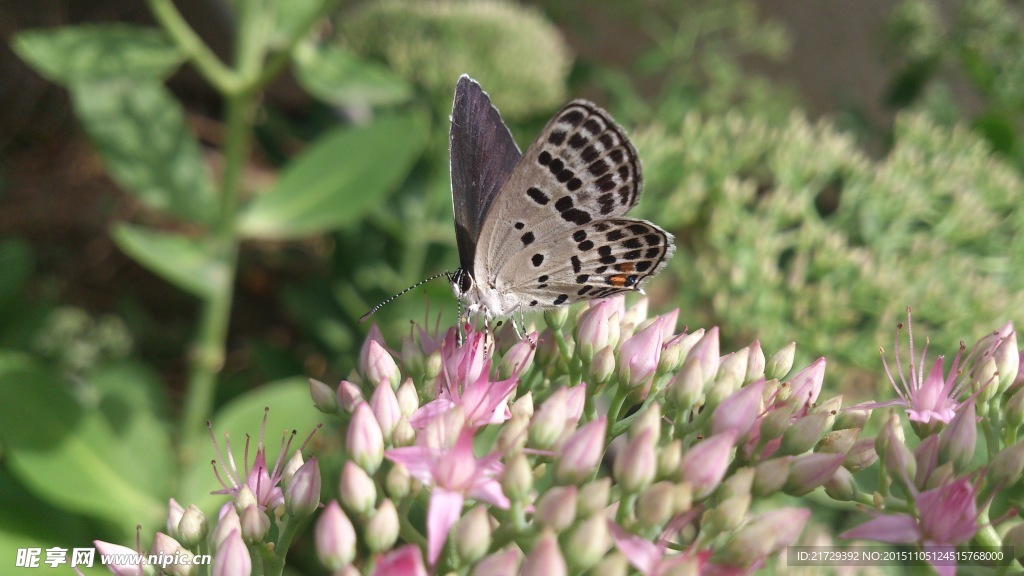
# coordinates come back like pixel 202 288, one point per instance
pixel 546 228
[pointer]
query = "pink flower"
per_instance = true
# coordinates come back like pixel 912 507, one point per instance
pixel 465 363
pixel 406 561
pixel 948 516
pixel 582 452
pixel 261 481
pixel 122 553
pixel 705 463
pixel 739 410
pixel 455 473
pixel 806 384
pixel 924 398
pixel 482 401
pixel 650 558
pixel 232 557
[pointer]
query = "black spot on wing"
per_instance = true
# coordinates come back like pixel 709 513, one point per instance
pixel 537 196
pixel 561 299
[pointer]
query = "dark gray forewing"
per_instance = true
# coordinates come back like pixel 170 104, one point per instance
pixel 483 155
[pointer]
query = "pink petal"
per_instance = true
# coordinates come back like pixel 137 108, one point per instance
pixel 895 529
pixel 640 552
pixel 406 561
pixel 489 490
pixel 444 511
pixel 417 459
pixel 429 411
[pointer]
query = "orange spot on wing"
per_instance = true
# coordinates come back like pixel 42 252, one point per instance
pixel 617 280
pixel 625 267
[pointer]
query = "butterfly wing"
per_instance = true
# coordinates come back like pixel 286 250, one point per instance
pixel 556 233
pixel 483 156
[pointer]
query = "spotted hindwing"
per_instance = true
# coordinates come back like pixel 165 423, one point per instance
pixel 556 233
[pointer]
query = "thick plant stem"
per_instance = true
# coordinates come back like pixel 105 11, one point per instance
pixel 208 351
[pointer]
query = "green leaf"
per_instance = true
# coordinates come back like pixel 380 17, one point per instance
pixel 185 262
pixel 290 409
pixel 77 53
pixel 337 76
pixel 338 179
pixel 139 130
pixel 69 455
pixel 15 267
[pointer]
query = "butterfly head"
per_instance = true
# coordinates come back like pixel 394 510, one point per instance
pixel 462 282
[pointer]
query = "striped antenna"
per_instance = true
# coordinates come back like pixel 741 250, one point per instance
pixel 413 287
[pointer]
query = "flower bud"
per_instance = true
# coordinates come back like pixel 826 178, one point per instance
pixel 635 468
pixel 956 442
pixel 613 564
pixel 770 476
pixel 406 561
pixel 432 366
pixel 803 434
pixel 728 514
pixel 365 439
pixel 232 557
pixel 335 538
pixel 985 382
pixel 413 360
pixel 555 317
pixel 348 396
pixel 358 492
pixel 290 468
pixel 739 482
pixel 408 398
pixel 651 509
pixel 763 536
pixel 593 497
pixel 523 406
pixel 518 359
pixel 575 399
pixel 513 435
pixel 673 352
pixel 517 478
pixel 386 410
pixel 1007 357
pixel 381 367
pixel 324 398
pixel 174 514
pixel 861 455
pixel 705 463
pixel 1014 538
pixel 1014 412
pixel 731 371
pixel 244 498
pixel 398 482
pixel 738 412
pixel 776 421
pixel 942 475
pixel 805 385
pixel 587 543
pixel 851 418
pixel 302 496
pixel 592 330
pixel 686 388
pixel 1007 466
pixel 581 453
pixel 832 406
pixel 649 420
pixel 403 435
pixel 926 456
pixel 381 530
pixel 192 528
pixel 227 523
pixel 556 508
pixel 636 313
pixel 899 462
pixel 809 471
pixel 841 486
pixel 602 367
pixel 755 363
pixel 549 420
pixel 669 458
pixel 504 563
pixel 639 355
pixel 838 441
pixel 545 559
pixel 164 545
pixel 780 363
pixel 473 534
pixel 255 524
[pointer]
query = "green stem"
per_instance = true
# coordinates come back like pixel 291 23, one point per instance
pixel 208 351
pixel 616 406
pixel 213 70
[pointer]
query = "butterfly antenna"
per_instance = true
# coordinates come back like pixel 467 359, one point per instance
pixel 413 287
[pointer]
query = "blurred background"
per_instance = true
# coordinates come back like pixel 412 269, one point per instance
pixel 822 163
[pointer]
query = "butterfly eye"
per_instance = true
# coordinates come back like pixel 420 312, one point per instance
pixel 465 282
